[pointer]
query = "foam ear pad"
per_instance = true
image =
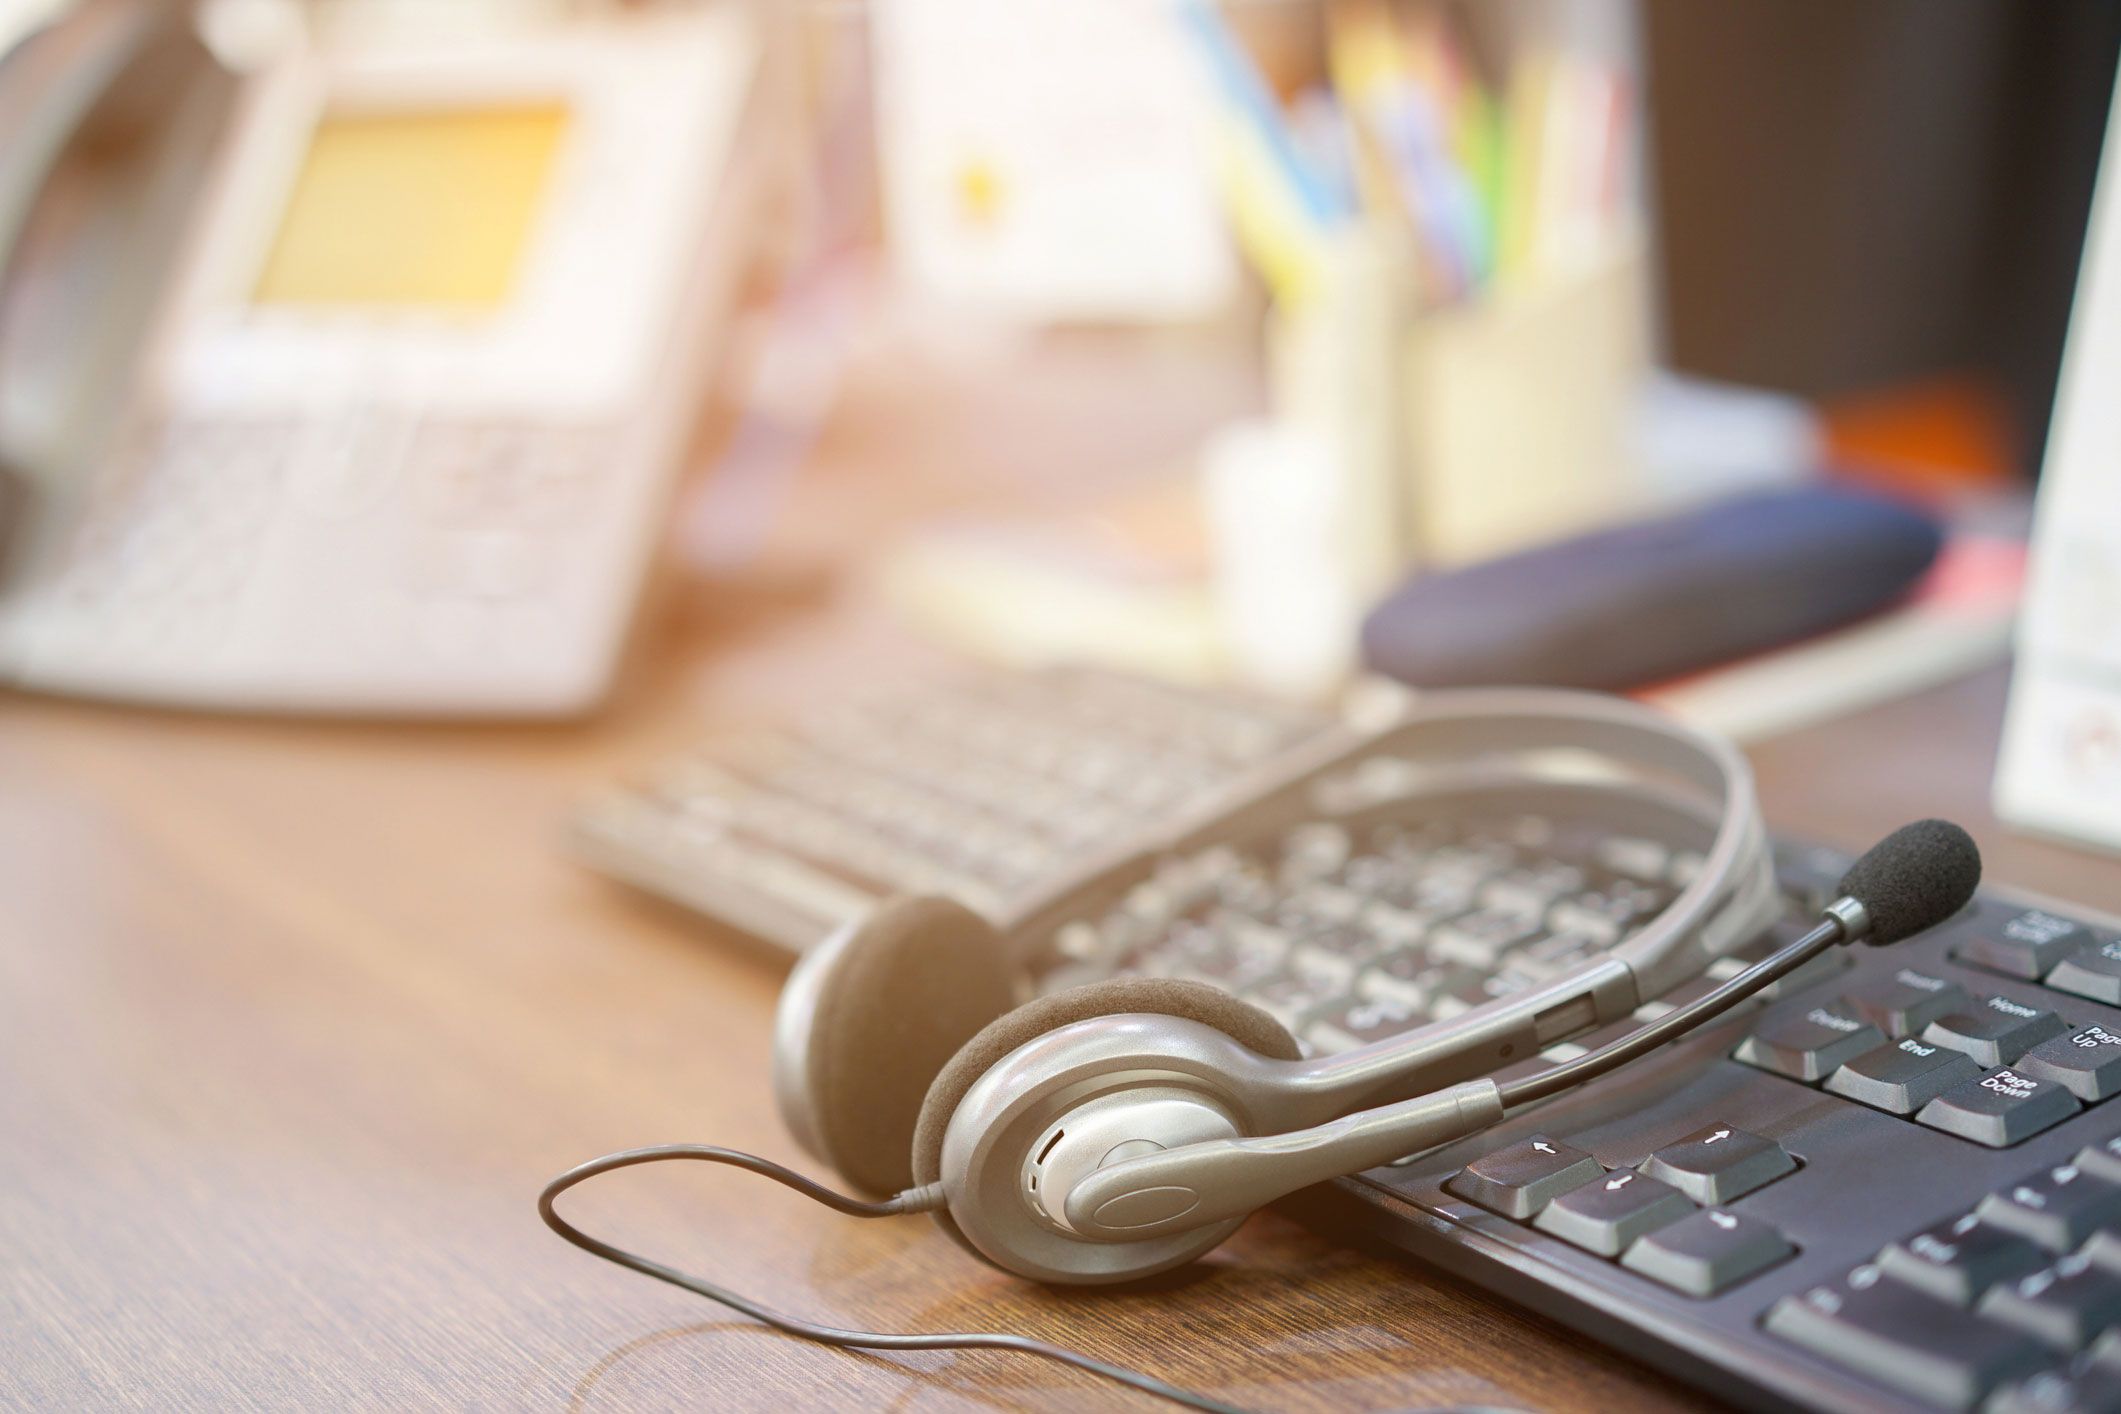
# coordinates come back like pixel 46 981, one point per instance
pixel 1192 1001
pixel 906 992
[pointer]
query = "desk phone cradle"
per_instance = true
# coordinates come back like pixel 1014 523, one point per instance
pixel 1110 1214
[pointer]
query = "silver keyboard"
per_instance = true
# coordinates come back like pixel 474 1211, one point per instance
pixel 1347 934
pixel 987 786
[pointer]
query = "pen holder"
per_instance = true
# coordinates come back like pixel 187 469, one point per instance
pixel 1463 432
pixel 1518 413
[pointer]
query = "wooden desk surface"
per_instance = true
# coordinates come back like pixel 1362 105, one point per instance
pixel 295 1019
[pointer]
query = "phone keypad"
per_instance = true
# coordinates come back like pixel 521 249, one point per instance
pixel 461 534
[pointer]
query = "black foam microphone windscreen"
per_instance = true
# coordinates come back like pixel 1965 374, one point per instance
pixel 1914 878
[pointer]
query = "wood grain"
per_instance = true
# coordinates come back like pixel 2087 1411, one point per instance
pixel 296 1018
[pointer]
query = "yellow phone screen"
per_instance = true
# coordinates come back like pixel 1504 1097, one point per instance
pixel 423 209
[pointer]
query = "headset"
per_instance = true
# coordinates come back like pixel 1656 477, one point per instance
pixel 1120 1129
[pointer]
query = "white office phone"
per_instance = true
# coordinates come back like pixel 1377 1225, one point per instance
pixel 413 345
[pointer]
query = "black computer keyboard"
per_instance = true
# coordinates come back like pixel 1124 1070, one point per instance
pixel 1890 1182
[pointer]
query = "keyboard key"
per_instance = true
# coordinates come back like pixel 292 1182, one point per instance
pixel 2066 1305
pixel 1717 1163
pixel 1472 994
pixel 2092 1390
pixel 1903 1077
pixel 1818 971
pixel 2028 946
pixel 2102 1160
pixel 1357 1023
pixel 1708 1251
pixel 1814 973
pixel 1605 913
pixel 2000 1108
pixel 2057 1208
pixel 1901 1005
pixel 1479 940
pixel 2104 1250
pixel 1901 1338
pixel 1646 860
pixel 2093 972
pixel 1810 1044
pixel 1531 889
pixel 1959 1260
pixel 1552 955
pixel 1291 992
pixel 1994 1031
pixel 1248 951
pixel 1396 928
pixel 2087 1061
pixel 1606 1217
pixel 1438 893
pixel 1317 905
pixel 1330 959
pixel 1409 976
pixel 1520 1180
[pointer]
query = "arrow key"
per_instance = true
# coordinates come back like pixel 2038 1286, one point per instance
pixel 1520 1180
pixel 1608 1216
pixel 1711 1250
pixel 1717 1163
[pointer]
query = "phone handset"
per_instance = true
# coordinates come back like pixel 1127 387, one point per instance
pixel 110 75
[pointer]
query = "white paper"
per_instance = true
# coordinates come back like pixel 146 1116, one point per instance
pixel 1048 159
pixel 2060 770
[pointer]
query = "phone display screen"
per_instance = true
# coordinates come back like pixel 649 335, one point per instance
pixel 429 209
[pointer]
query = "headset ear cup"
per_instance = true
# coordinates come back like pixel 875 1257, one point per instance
pixel 867 1024
pixel 1241 1021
